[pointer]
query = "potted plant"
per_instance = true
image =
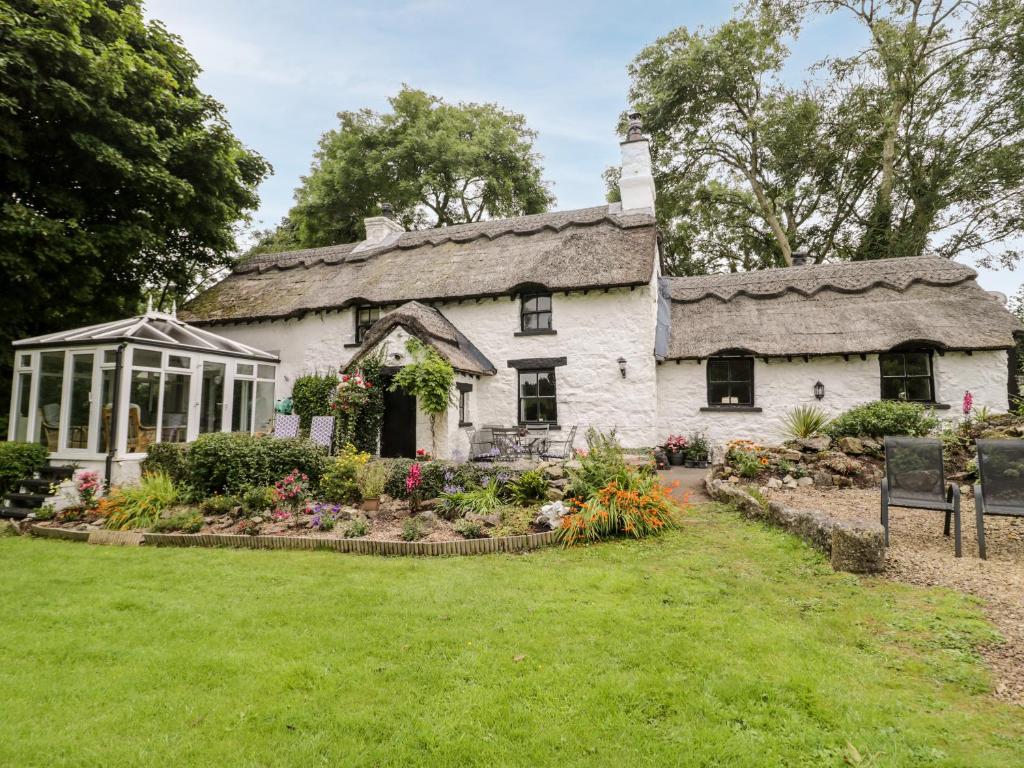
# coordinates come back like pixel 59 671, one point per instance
pixel 372 477
pixel 675 448
pixel 699 450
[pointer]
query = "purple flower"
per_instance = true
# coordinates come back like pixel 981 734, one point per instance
pixel 452 488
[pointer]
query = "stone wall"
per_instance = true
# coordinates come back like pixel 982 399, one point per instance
pixel 780 385
pixel 854 547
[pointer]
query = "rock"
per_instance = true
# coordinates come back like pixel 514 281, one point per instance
pixel 817 443
pixel 554 472
pixel 822 479
pixel 787 454
pixel 788 479
pixel 572 464
pixel 842 482
pixel 858 547
pixel 851 445
pixel 257 520
pixel 274 529
pixel 805 481
pixel 791 485
pixel 840 463
pixel 492 520
pixel 427 516
pixel 555 494
pixel 872 447
pixel 209 519
pixel 734 479
pixel 774 482
pixel 430 503
pixel 561 483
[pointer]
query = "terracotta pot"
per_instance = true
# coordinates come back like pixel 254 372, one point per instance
pixel 370 505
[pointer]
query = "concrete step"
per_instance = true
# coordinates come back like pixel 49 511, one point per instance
pixel 14 513
pixel 26 500
pixel 56 473
pixel 34 485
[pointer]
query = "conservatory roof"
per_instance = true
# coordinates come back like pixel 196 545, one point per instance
pixel 152 329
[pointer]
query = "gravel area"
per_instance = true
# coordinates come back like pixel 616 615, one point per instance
pixel 919 554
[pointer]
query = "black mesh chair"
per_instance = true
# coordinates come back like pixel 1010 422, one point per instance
pixel 914 478
pixel 1001 490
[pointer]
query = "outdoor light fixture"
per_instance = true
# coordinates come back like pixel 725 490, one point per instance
pixel 819 390
pixel 622 366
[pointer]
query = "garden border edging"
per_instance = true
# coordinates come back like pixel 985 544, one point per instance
pixel 520 543
pixel 852 547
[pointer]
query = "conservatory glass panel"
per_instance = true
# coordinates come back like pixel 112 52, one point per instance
pixel 241 408
pixel 107 399
pixel 146 358
pixel 80 401
pixel 174 423
pixel 21 412
pixel 143 407
pixel 211 413
pixel 264 405
pixel 51 383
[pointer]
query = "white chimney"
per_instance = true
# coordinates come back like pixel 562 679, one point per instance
pixel 380 229
pixel 636 185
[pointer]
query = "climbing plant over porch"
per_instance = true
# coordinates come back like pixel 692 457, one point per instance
pixel 429 378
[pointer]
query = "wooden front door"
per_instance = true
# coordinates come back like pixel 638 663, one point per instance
pixel 398 431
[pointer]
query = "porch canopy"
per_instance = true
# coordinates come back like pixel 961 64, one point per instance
pixel 133 382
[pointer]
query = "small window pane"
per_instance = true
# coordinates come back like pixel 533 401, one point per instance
pixel 741 390
pixel 917 364
pixel 894 389
pixel 179 361
pixel 530 305
pixel 144 400
pixel 109 356
pixel 718 370
pixel 175 418
pixel 264 406
pixel 146 358
pixel 892 365
pixel 718 392
pixel 51 382
pixel 543 303
pixel 530 322
pixel 919 388
pixel 244 369
pixel 241 408
pixel 265 372
pixel 544 321
pixel 546 383
pixel 25 361
pixel 24 385
pixel 546 410
pixel 528 384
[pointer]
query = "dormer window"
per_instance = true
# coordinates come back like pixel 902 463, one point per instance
pixel 535 313
pixel 365 318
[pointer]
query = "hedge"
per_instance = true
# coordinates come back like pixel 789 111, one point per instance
pixel 312 395
pixel 18 461
pixel 222 462
pixel 169 458
pixel 883 417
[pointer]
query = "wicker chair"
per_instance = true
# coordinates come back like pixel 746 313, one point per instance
pixel 914 478
pixel 1000 491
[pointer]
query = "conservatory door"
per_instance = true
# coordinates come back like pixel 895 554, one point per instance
pixel 78 429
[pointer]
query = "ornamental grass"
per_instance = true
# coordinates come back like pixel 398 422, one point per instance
pixel 634 504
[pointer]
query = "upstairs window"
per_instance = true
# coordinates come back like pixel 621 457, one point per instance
pixel 730 381
pixel 365 318
pixel 907 376
pixel 535 312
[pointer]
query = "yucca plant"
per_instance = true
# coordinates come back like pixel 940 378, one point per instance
pixel 139 506
pixel 805 421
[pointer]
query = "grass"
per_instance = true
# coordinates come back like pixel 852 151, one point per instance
pixel 722 644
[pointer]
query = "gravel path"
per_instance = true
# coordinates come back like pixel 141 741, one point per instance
pixel 920 554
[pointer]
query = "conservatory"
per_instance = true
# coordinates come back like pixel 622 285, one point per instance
pixel 99 396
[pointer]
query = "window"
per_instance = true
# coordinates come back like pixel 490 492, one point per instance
pixel 464 416
pixel 907 376
pixel 252 408
pixel 80 401
pixel 174 419
pixel 21 414
pixel 537 397
pixel 48 399
pixel 535 313
pixel 211 405
pixel 730 381
pixel 365 318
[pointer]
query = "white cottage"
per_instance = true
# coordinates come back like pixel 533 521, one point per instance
pixel 565 319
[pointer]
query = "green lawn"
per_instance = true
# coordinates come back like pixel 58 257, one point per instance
pixel 724 644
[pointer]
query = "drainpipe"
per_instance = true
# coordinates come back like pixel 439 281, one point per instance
pixel 115 399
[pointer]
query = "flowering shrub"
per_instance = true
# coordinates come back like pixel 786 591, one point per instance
pixel 325 516
pixel 353 392
pixel 422 454
pixel 746 457
pixel 88 485
pixel 414 478
pixel 675 444
pixel 340 482
pixel 293 490
pixel 636 505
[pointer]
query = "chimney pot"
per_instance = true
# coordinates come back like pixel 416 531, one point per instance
pixel 800 258
pixel 387 210
pixel 635 131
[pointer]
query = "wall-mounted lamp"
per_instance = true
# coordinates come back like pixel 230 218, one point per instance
pixel 622 366
pixel 819 390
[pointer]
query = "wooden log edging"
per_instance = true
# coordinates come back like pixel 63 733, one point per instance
pixel 359 546
pixel 857 547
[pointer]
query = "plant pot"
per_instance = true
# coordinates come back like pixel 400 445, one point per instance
pixel 370 505
pixel 703 464
pixel 676 459
pixel 689 463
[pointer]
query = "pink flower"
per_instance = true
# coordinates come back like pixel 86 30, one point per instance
pixel 413 479
pixel 968 402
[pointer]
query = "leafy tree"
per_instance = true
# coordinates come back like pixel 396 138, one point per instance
pixel 116 171
pixel 435 163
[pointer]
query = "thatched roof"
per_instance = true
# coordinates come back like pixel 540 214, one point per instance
pixel 828 309
pixel 434 329
pixel 588 248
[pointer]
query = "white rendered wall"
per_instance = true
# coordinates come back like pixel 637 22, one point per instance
pixel 593 330
pixel 780 385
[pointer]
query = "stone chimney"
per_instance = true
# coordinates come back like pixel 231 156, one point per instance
pixel 380 229
pixel 801 258
pixel 636 185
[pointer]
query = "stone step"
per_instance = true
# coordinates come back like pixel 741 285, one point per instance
pixel 34 485
pixel 14 513
pixel 56 473
pixel 29 500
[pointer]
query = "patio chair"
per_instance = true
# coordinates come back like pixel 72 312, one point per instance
pixel 914 478
pixel 1000 491
pixel 49 425
pixel 286 425
pixel 537 439
pixel 481 445
pixel 560 449
pixel 506 440
pixel 321 431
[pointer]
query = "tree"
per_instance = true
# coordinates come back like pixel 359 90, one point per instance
pixel 435 163
pixel 117 172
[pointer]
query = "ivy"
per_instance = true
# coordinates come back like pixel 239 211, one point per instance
pixel 429 378
pixel 312 395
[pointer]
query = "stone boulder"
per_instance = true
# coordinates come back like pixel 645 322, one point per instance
pixel 840 463
pixel 555 494
pixel 816 444
pixel 852 446
pixel 492 520
pixel 858 547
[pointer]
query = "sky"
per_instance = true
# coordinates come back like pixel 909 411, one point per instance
pixel 283 70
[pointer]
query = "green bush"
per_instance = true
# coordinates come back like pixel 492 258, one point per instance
pixel 139 506
pixel 258 498
pixel 603 461
pixel 412 529
pixel 186 522
pixel 18 461
pixel 312 396
pixel 219 505
pixel 356 528
pixel 531 485
pixel 482 500
pixel 883 417
pixel 469 529
pixel 222 462
pixel 169 458
pixel 340 483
